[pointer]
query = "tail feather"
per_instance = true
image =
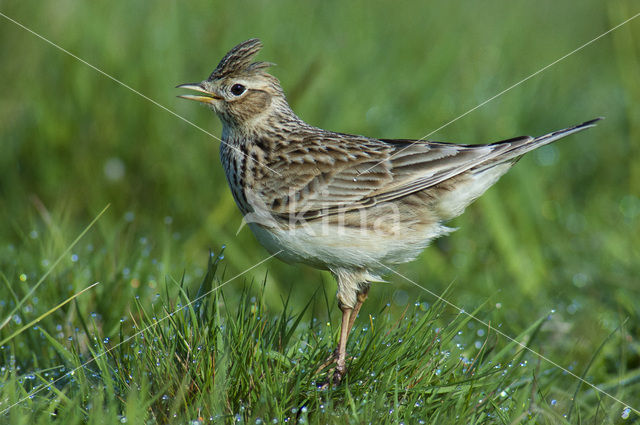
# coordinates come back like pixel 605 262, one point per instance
pixel 529 145
pixel 521 146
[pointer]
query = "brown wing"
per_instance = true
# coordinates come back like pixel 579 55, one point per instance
pixel 337 172
pixel 322 176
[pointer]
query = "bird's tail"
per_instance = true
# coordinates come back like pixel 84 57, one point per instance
pixel 525 146
pixel 521 145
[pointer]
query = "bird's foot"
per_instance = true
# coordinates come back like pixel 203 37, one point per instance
pixel 324 383
pixel 333 358
pixel 329 380
pixel 338 374
pixel 338 368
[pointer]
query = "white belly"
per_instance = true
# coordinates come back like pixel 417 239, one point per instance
pixel 331 247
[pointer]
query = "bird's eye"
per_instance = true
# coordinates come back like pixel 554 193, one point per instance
pixel 237 89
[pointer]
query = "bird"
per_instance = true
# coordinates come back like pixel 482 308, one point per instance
pixel 349 204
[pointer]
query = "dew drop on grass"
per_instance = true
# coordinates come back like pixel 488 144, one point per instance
pixel 23 277
pixel 625 413
pixel 554 402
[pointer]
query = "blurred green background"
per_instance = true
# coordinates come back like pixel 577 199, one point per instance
pixel 560 232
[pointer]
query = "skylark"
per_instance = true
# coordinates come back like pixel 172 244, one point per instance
pixel 344 203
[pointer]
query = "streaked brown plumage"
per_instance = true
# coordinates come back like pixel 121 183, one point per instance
pixel 349 204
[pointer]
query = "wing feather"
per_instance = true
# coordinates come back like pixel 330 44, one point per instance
pixel 330 172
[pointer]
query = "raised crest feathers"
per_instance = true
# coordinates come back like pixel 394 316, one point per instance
pixel 238 60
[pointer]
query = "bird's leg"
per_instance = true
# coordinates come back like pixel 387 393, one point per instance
pixel 341 360
pixel 333 358
pixel 362 296
pixel 339 356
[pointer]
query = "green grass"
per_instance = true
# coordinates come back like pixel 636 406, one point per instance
pixel 558 233
pixel 205 358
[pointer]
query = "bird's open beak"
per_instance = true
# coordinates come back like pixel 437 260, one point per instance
pixel 205 97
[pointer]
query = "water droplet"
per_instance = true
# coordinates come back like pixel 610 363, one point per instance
pixel 625 413
pixel 554 402
pixel 23 277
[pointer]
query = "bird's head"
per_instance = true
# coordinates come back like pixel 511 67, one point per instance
pixel 240 91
